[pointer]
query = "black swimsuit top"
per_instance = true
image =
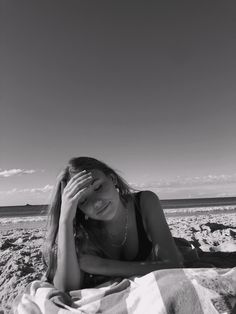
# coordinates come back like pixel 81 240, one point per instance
pixel 145 245
pixel 144 250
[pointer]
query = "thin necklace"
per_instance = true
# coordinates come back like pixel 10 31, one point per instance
pixel 125 233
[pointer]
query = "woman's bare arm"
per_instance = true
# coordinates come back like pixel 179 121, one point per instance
pixel 107 267
pixel 158 229
pixel 68 275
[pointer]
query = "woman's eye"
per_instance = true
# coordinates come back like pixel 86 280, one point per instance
pixel 83 202
pixel 98 188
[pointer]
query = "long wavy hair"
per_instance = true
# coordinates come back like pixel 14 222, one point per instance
pixel 49 249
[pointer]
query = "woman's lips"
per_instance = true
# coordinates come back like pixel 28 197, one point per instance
pixel 103 208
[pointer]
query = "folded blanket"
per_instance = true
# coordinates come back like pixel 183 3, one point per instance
pixel 182 291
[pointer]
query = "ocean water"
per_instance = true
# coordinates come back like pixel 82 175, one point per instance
pixel 208 209
pixel 25 220
pixel 36 215
pixel 42 219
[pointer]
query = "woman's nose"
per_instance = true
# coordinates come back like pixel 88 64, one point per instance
pixel 97 204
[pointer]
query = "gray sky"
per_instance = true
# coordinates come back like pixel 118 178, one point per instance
pixel 148 87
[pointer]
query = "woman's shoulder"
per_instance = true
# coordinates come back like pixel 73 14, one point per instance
pixel 148 203
pixel 146 195
pixel 143 193
pixel 145 200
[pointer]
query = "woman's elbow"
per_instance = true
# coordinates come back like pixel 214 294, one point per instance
pixel 178 261
pixel 66 285
pixel 60 284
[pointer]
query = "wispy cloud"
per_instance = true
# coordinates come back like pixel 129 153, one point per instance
pixel 206 180
pixel 194 187
pixel 181 182
pixel 15 172
pixel 45 189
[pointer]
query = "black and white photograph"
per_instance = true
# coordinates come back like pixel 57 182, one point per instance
pixel 118 157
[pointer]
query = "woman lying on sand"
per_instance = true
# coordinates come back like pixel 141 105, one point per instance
pixel 99 229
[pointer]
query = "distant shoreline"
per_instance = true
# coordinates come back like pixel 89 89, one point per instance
pixel 229 200
pixel 198 202
pixel 178 204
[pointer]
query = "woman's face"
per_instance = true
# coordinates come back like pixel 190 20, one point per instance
pixel 101 199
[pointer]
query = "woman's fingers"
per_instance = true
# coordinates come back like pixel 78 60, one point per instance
pixel 76 184
pixel 79 180
pixel 84 184
pixel 80 193
pixel 77 175
pixel 76 178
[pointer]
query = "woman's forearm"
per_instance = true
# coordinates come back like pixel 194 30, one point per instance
pixel 68 275
pixel 118 268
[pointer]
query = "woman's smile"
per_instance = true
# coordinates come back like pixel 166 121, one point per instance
pixel 102 209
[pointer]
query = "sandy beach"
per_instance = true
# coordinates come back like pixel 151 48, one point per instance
pixel 21 258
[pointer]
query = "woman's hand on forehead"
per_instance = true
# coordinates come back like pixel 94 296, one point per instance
pixel 73 192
